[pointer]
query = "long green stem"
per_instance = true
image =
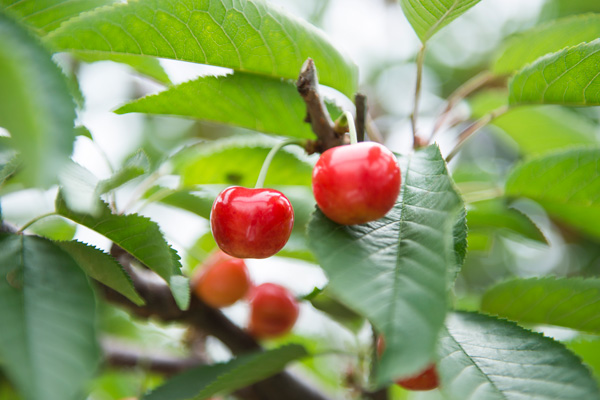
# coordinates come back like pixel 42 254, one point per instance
pixel 265 167
pixel 474 127
pixel 36 219
pixel 414 115
pixel 459 94
pixel 351 127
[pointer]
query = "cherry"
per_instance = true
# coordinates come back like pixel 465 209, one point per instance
pixel 425 380
pixel 221 280
pixel 251 223
pixel 273 311
pixel 355 184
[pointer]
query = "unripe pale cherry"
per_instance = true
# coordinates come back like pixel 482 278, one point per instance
pixel 425 380
pixel 221 280
pixel 251 223
pixel 355 184
pixel 273 311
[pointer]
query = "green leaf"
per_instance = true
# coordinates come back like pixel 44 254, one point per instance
pixel 589 350
pixel 197 201
pixel 54 228
pixel 134 166
pixel 485 358
pixel 47 312
pixel 394 271
pixel 137 235
pixel 495 214
pixel 260 103
pixel 237 161
pixel 565 183
pixel 245 35
pixel 35 106
pixel 46 15
pixel 102 267
pixel 208 380
pixel 148 66
pixel 429 16
pixel 326 303
pixel 569 77
pixel 78 188
pixel 570 302
pixel 536 129
pixel 550 37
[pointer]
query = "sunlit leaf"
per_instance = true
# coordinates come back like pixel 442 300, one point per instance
pixel 550 37
pixel 569 302
pixel 394 271
pixel 55 228
pixel 35 105
pixel 148 66
pixel 565 183
pixel 569 77
pixel 237 161
pixel 485 358
pixel 46 15
pixel 260 103
pixel 536 129
pixel 246 35
pixel 47 314
pixel 429 16
pixel 205 381
pixel 102 267
pixel 589 351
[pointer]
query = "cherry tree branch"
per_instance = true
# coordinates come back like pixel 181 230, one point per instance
pixel 360 100
pixel 316 112
pixel 161 304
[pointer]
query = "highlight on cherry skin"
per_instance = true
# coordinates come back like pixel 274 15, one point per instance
pixel 251 223
pixel 221 280
pixel 273 311
pixel 357 183
pixel 425 380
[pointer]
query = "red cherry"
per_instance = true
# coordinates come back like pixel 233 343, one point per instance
pixel 425 380
pixel 221 280
pixel 357 183
pixel 251 223
pixel 273 311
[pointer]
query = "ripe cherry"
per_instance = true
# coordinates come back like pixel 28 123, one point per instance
pixel 273 311
pixel 425 380
pixel 251 223
pixel 221 280
pixel 357 183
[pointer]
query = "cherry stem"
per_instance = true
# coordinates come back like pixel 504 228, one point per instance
pixel 351 127
pixel 265 167
pixel 36 219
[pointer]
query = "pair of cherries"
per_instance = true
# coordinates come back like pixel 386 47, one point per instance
pixel 352 184
pixel 222 280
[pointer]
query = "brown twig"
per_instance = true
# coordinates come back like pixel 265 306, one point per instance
pixel 121 356
pixel 161 304
pixel 316 112
pixel 474 127
pixel 466 89
pixel 360 100
pixel 373 131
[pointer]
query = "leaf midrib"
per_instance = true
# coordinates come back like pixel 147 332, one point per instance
pixel 464 352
